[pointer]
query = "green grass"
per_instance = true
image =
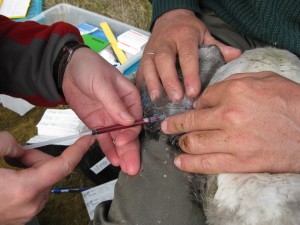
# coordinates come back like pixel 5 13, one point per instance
pixel 133 12
pixel 69 208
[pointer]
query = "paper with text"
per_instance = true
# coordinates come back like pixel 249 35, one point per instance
pixel 94 196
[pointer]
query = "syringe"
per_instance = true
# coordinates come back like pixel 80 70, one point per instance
pixel 100 130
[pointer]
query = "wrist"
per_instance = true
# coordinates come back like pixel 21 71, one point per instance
pixel 63 58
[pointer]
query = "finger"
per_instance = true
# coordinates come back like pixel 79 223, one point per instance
pixel 208 163
pixel 147 73
pixel 129 157
pixel 229 53
pixel 165 60
pixel 9 146
pixel 130 98
pixel 127 147
pixel 33 157
pixel 204 142
pixel 126 136
pixel 112 100
pixel 110 141
pixel 189 63
pixel 107 146
pixel 192 120
pixel 59 167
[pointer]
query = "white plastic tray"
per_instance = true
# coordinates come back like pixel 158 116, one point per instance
pixel 75 16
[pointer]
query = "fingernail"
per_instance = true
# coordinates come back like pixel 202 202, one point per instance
pixel 177 162
pixel 175 96
pixel 164 126
pixel 126 116
pixel 191 92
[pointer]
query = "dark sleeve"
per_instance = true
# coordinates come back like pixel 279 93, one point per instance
pixel 159 7
pixel 27 52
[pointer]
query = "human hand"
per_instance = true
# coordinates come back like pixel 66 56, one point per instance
pixel 246 123
pixel 177 32
pixel 25 192
pixel 101 96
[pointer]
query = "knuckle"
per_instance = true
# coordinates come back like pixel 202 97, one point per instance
pixel 186 165
pixel 68 167
pixel 206 163
pixel 186 56
pixel 171 84
pixel 27 196
pixel 146 63
pixel 185 31
pixel 161 55
pixel 233 115
pixel 186 123
pixel 203 164
pixel 236 87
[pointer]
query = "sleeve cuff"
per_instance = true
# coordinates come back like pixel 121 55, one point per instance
pixel 159 7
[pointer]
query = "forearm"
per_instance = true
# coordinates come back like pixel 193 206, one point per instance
pixel 159 7
pixel 28 52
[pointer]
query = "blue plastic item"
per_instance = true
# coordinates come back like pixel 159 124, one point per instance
pixel 35 8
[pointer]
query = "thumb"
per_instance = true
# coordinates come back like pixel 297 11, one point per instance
pixel 9 146
pixel 229 53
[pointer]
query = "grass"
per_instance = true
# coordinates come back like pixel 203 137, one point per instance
pixel 69 209
pixel 133 12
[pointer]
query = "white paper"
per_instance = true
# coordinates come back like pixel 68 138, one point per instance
pixel 56 123
pixel 59 123
pixel 18 105
pixel 133 39
pixel 94 196
pixel 14 8
pixel 42 138
pixel 99 166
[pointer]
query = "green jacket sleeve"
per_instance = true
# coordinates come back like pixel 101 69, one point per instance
pixel 159 7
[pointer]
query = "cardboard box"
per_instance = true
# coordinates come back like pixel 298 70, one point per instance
pixel 75 16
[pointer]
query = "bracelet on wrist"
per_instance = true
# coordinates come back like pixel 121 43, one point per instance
pixel 63 58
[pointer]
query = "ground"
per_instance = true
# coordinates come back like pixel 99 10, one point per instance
pixel 69 209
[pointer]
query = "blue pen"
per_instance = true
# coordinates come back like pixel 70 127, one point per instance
pixel 66 190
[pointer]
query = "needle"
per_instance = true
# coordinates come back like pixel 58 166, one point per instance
pixel 100 130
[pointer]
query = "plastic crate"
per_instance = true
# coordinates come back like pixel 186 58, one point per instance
pixel 75 16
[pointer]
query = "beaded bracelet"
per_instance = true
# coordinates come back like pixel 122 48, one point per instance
pixel 63 58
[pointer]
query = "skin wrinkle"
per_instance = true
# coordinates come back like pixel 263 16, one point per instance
pixel 123 98
pixel 92 88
